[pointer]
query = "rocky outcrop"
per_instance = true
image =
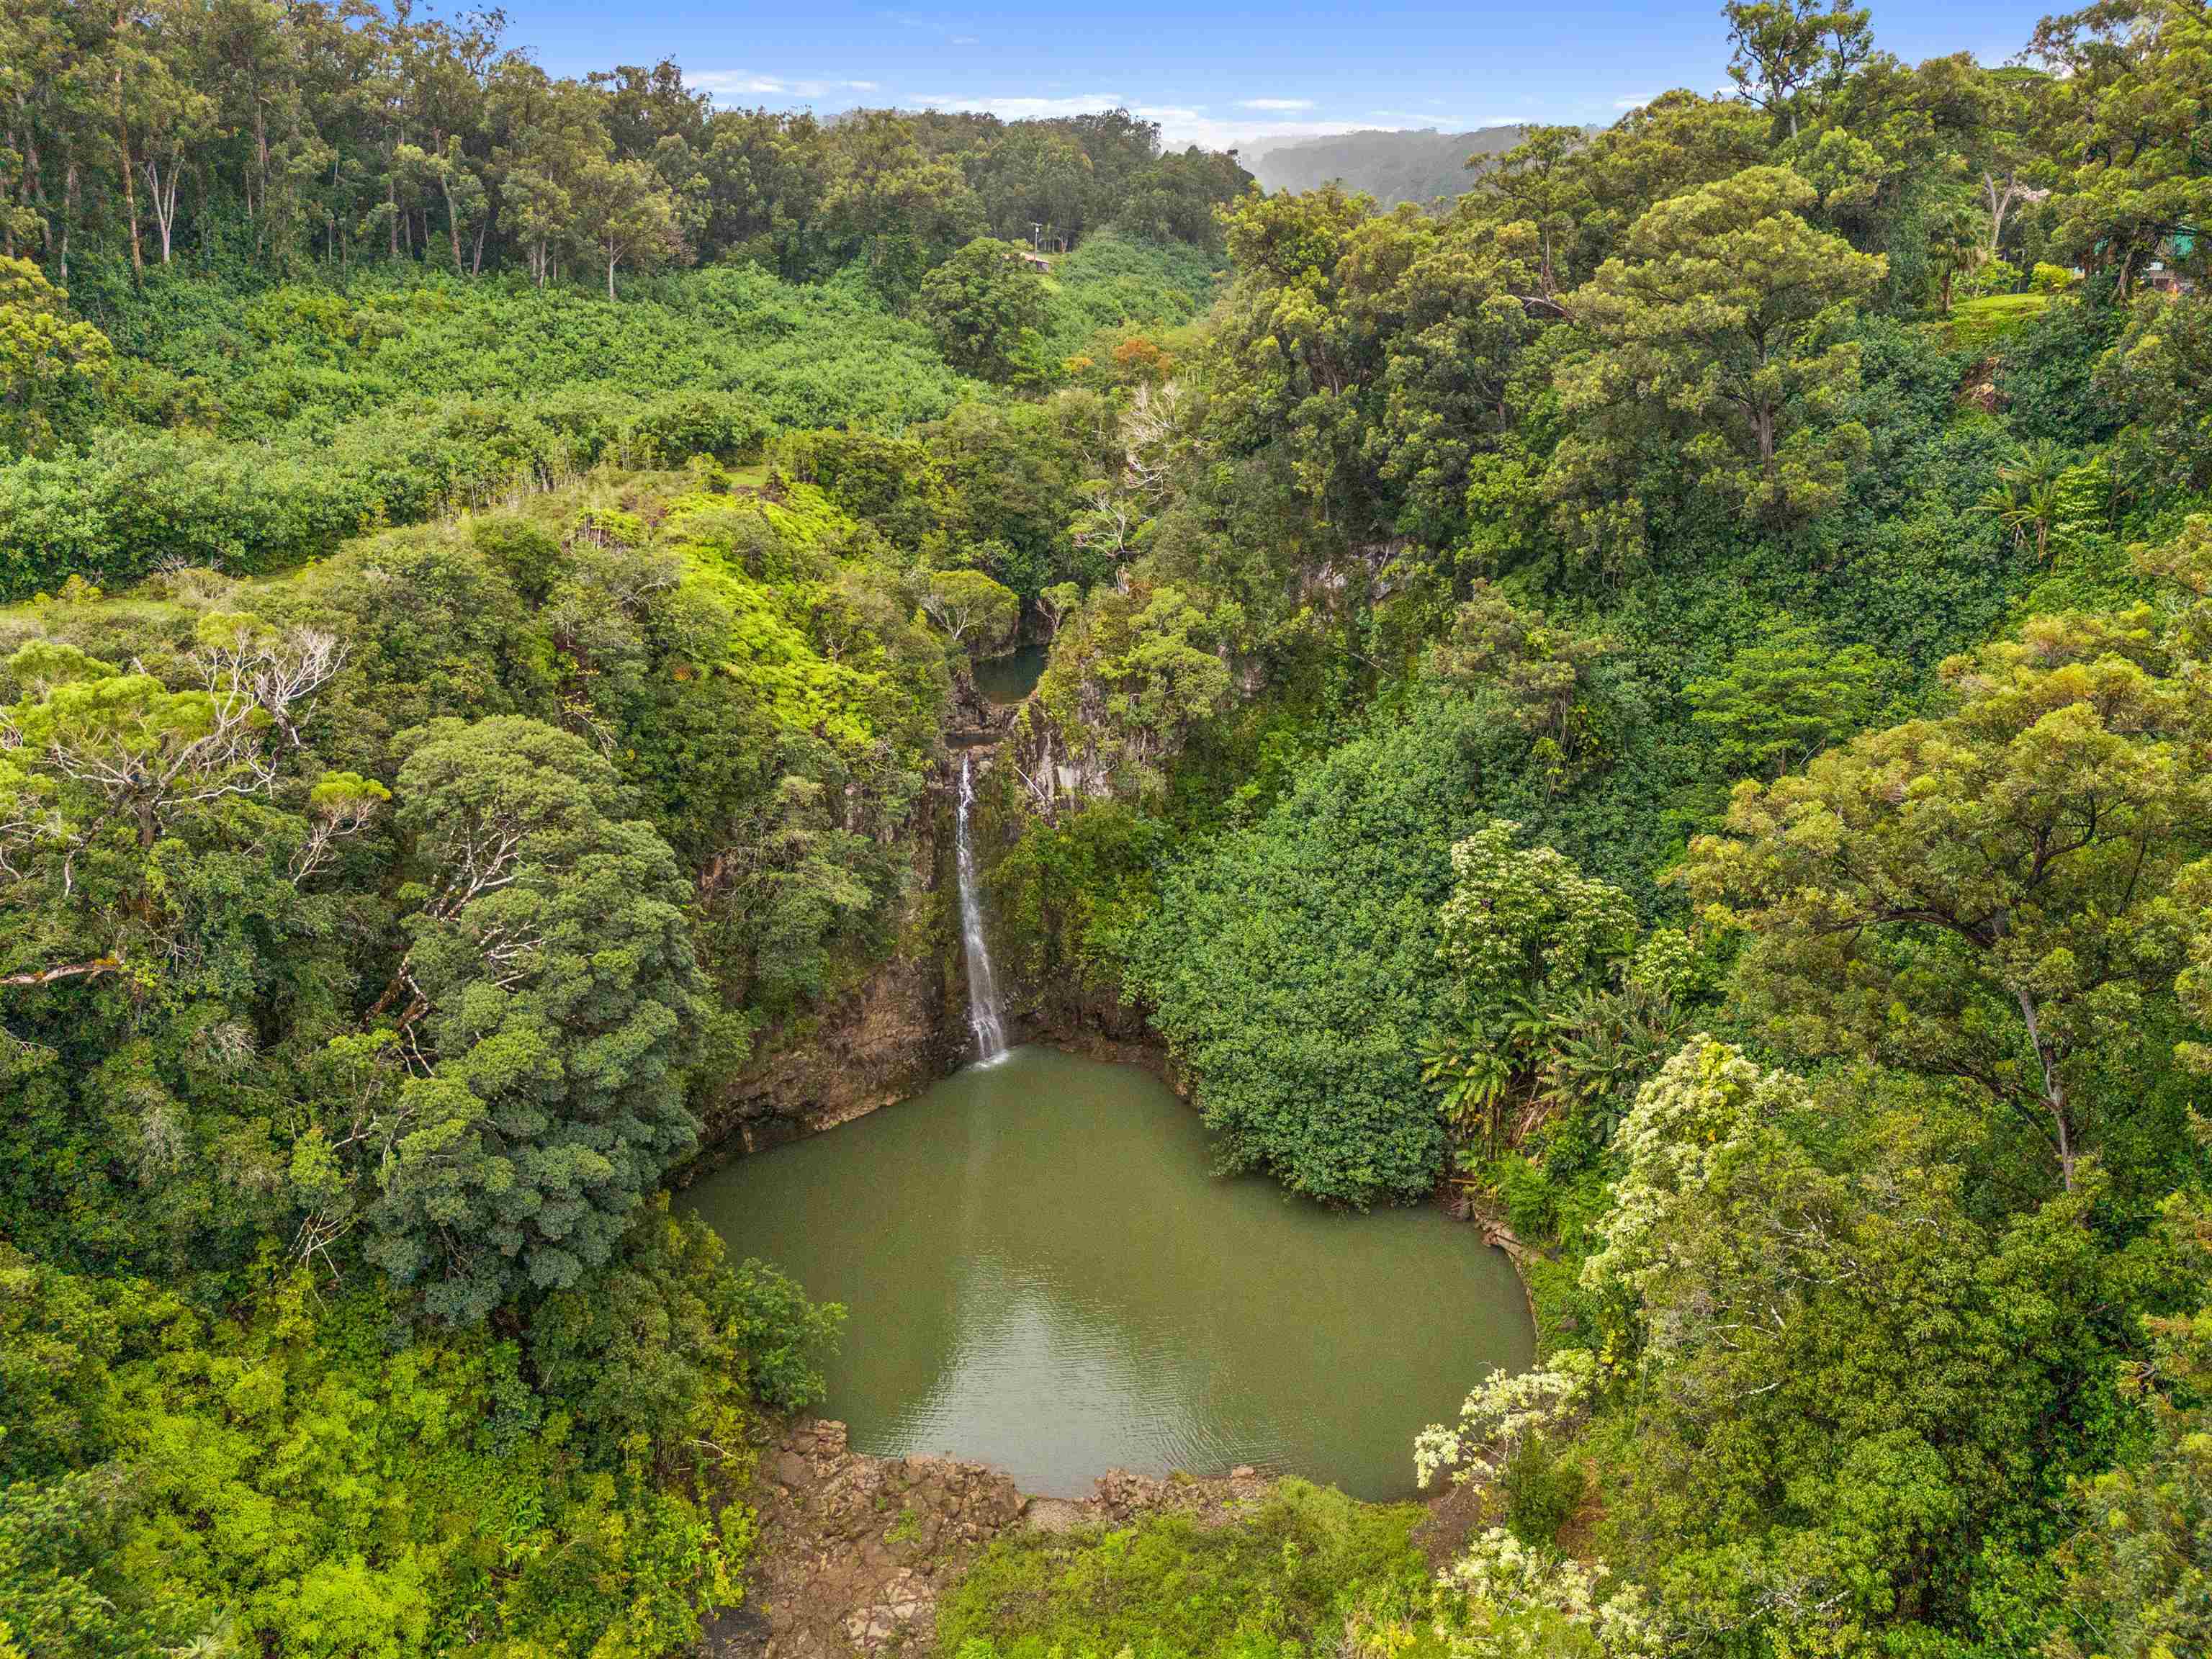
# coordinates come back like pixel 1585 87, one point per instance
pixel 886 1041
pixel 856 1549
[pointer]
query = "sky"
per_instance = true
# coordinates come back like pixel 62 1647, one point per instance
pixel 1211 75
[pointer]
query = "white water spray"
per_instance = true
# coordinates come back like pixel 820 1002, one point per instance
pixel 984 1018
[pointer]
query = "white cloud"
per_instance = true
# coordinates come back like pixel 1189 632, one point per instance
pixel 965 41
pixel 737 82
pixel 1286 106
pixel 744 83
pixel 1637 102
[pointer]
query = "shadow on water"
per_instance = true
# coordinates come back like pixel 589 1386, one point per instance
pixel 1042 1274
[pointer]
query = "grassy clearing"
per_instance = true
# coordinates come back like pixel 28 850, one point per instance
pixel 1980 326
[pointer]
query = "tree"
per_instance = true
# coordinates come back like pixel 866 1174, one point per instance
pixel 891 206
pixel 1057 603
pixel 1836 1366
pixel 1291 965
pixel 170 116
pixel 1534 185
pixel 50 363
pixel 1132 674
pixel 2138 1569
pixel 1786 48
pixel 545 1011
pixel 2137 87
pixel 629 216
pixel 1715 308
pixel 1783 701
pixel 1955 231
pixel 546 134
pixel 1987 895
pixel 117 750
pixel 2150 376
pixel 1526 933
pixel 2029 500
pixel 968 602
pixel 983 304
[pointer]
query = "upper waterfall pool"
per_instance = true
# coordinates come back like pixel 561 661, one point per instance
pixel 1041 1273
pixel 1007 679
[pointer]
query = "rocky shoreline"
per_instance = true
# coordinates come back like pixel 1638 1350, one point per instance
pixel 856 1549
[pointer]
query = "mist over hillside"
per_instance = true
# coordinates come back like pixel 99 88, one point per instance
pixel 1426 165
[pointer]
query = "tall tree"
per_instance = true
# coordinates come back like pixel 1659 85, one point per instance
pixel 1785 49
pixel 983 305
pixel 547 1005
pixel 1990 895
pixel 628 217
pixel 1716 309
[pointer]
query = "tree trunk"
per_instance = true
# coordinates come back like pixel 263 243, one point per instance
pixel 34 185
pixel 452 224
pixel 21 188
pixel 69 211
pixel 260 159
pixel 2054 1091
pixel 610 278
pixel 164 200
pixel 122 139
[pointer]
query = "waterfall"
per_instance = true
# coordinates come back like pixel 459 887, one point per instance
pixel 983 1016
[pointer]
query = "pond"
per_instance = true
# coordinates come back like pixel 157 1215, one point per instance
pixel 1007 680
pixel 1041 1273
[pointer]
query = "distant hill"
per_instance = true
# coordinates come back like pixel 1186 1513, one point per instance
pixel 1391 166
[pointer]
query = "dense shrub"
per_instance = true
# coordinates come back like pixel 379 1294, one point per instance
pixel 1293 964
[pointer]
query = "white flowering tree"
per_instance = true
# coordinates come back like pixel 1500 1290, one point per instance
pixel 1503 1597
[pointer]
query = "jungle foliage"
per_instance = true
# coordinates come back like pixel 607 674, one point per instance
pixel 1671 691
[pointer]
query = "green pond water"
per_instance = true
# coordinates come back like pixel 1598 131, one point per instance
pixel 1010 678
pixel 1041 1273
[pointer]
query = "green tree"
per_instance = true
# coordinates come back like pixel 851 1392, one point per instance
pixel 1292 965
pixel 2137 107
pixel 1526 934
pixel 1534 185
pixel 1838 1368
pixel 2030 500
pixel 1134 672
pixel 50 366
pixel 2138 1569
pixel 1786 50
pixel 1780 703
pixel 2150 376
pixel 547 1007
pixel 984 305
pixel 628 217
pixel 1716 308
pixel 1987 895
pixel 976 613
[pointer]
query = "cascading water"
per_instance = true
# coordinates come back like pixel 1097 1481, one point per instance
pixel 984 1018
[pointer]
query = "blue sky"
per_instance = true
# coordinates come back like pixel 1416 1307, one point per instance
pixel 1211 75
